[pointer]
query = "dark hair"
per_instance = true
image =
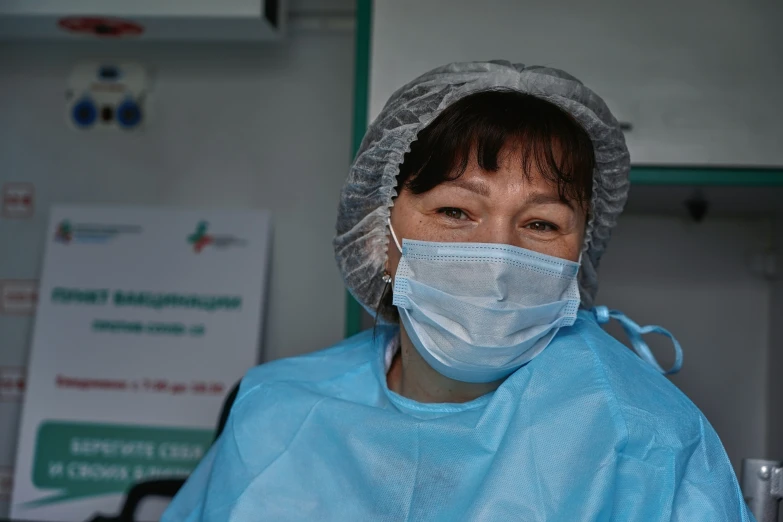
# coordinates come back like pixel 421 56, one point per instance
pixel 484 124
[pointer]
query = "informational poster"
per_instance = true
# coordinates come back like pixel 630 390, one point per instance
pixel 145 320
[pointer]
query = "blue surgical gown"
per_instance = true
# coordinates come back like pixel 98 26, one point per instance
pixel 584 432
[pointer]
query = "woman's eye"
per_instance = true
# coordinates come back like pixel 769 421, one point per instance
pixel 542 226
pixel 453 213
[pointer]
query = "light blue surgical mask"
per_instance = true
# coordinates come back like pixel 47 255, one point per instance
pixel 476 312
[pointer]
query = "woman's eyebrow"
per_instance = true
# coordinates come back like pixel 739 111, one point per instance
pixel 542 198
pixel 474 185
pixel 482 189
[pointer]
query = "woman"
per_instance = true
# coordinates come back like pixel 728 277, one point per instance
pixel 472 222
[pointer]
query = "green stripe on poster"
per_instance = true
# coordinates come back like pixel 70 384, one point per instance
pixel 77 460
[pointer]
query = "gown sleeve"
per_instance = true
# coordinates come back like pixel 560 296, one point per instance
pixel 690 480
pixel 708 489
pixel 188 504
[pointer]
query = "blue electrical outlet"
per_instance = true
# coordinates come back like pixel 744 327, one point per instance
pixel 84 113
pixel 128 114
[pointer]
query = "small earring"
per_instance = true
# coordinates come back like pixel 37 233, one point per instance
pixel 386 278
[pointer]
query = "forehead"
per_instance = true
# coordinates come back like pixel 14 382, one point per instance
pixel 514 172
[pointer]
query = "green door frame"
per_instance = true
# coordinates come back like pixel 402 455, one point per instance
pixel 361 93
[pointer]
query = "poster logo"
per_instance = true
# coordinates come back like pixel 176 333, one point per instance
pixel 64 232
pixel 201 238
pixel 68 232
pixel 18 296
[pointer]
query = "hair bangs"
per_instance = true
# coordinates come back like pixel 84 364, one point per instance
pixel 489 125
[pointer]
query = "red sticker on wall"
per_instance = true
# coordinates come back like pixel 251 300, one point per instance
pixel 18 200
pixel 12 383
pixel 6 482
pixel 18 296
pixel 104 27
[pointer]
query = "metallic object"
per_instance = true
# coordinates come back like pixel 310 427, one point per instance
pixel 762 487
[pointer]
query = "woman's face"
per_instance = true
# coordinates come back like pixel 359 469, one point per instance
pixel 505 207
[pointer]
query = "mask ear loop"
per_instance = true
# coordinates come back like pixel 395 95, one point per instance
pixel 394 236
pixel 635 332
pixel 387 277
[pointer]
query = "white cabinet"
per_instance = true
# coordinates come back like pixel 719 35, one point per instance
pixel 192 20
pixel 698 80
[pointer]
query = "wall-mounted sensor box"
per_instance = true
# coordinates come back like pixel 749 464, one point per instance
pixel 107 96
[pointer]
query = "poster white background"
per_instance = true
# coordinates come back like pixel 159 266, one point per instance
pixel 149 253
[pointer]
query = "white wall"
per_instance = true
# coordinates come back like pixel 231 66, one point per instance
pixel 694 280
pixel 231 126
